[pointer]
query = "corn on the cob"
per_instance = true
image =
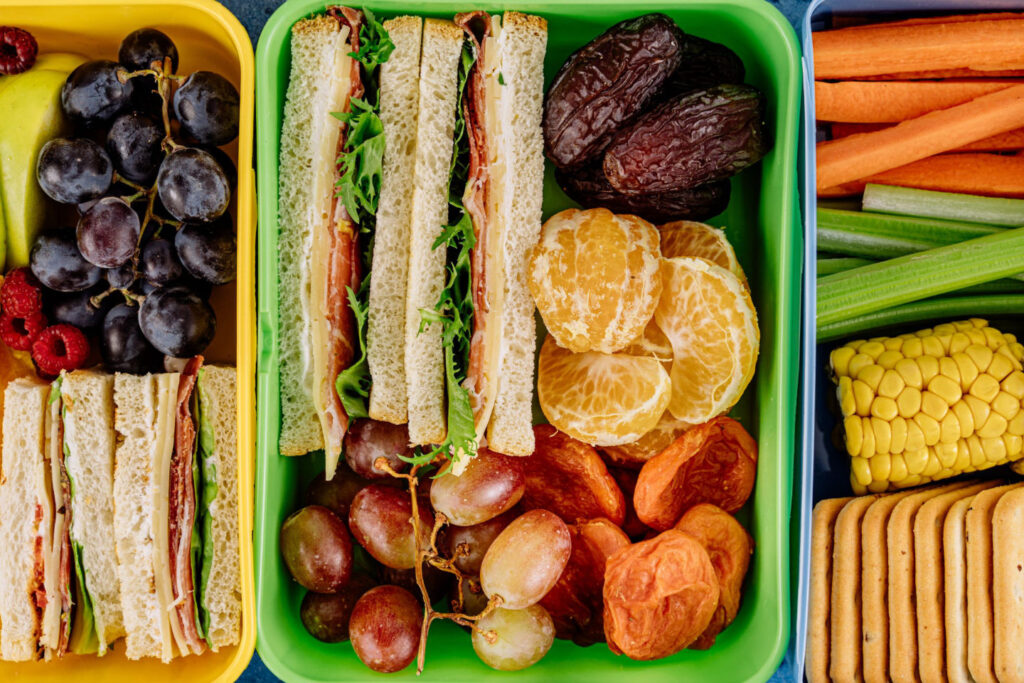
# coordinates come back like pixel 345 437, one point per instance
pixel 930 405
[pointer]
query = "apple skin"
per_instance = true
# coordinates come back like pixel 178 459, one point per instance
pixel 30 114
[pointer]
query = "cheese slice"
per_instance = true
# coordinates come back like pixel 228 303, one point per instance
pixel 51 528
pixel 166 402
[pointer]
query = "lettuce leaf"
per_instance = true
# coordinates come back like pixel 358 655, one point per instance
pixel 353 383
pixel 202 534
pixel 195 551
pixel 84 640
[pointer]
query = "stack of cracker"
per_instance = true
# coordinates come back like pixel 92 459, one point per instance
pixel 921 585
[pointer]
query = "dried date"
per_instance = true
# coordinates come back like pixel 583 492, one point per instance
pixel 605 84
pixel 659 596
pixel 715 462
pixel 590 188
pixel 704 64
pixel 689 140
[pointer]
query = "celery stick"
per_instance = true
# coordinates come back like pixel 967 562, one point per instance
pixel 948 205
pixel 829 266
pixel 918 276
pixel 929 312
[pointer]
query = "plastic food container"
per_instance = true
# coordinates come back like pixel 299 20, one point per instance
pixel 208 37
pixel 823 470
pixel 763 224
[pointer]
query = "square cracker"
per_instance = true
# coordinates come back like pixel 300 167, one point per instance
pixel 901 595
pixel 1008 586
pixel 822 529
pixel 929 580
pixel 845 618
pixel 978 526
pixel 954 558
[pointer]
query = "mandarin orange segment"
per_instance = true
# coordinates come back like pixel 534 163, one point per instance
pixel 689 239
pixel 652 342
pixel 708 316
pixel 635 454
pixel 595 278
pixel 601 399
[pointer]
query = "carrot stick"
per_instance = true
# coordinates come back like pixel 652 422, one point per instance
pixel 992 175
pixel 979 45
pixel 891 101
pixel 860 156
pixel 948 19
pixel 1003 142
pixel 942 73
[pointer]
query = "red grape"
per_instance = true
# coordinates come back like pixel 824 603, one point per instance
pixel 491 484
pixel 367 440
pixel 336 495
pixel 526 559
pixel 381 521
pixel 385 628
pixel 477 539
pixel 524 636
pixel 326 616
pixel 317 549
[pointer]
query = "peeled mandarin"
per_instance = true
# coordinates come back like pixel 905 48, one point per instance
pixel 699 240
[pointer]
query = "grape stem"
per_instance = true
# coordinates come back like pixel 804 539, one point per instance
pixel 430 555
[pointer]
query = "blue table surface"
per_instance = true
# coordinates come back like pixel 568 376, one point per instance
pixel 253 15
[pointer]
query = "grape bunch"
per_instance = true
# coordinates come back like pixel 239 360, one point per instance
pixel 357 543
pixel 150 190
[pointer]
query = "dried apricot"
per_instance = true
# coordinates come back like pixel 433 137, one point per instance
pixel 729 546
pixel 569 478
pixel 659 596
pixel 715 462
pixel 575 603
pixel 635 454
pixel 595 278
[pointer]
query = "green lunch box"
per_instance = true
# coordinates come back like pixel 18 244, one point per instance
pixel 763 224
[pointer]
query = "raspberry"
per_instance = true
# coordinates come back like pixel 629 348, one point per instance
pixel 19 333
pixel 19 295
pixel 60 347
pixel 17 50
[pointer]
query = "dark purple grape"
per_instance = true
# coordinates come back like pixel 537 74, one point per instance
pixel 192 186
pixel 367 440
pixel 326 616
pixel 77 309
pixel 208 250
pixel 177 322
pixel 147 45
pixel 317 549
pixel 206 104
pixel 58 265
pixel 336 495
pixel 122 277
pixel 226 163
pixel 108 233
pixel 135 146
pixel 94 94
pixel 385 628
pixel 123 346
pixel 73 171
pixel 159 263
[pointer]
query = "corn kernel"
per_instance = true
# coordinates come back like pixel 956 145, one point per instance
pixel 909 402
pixel 1000 367
pixel 847 406
pixel 995 450
pixel 965 417
pixel 946 329
pixel 977 452
pixel 862 397
pixel 1013 384
pixel 1007 351
pixel 1009 338
pixel 979 410
pixel 962 325
pixel 854 434
pixel 867 446
pixel 856 344
pixel 911 480
pixel 929 368
pixel 949 428
pixel 958 342
pixel 929 428
pixel 880 467
pixel 883 435
pixel 985 387
pixel 978 322
pixel 880 340
pixel 946 453
pixel 861 470
pixel 993 427
pixel 933 466
pixel 878 486
pixel 1014 445
pixel 933 347
pixel 933 405
pixel 891 385
pixel 1017 350
pixel 898 469
pixel 884 408
pixel 916 460
pixel 871 375
pixel 858 362
pixel 993 338
pixel 899 435
pixel 968 370
pixel 893 343
pixel 948 368
pixel 1016 425
pixel 915 437
pixel 1006 405
pixel 963 456
pixel 976 336
pixel 858 490
pixel 981 355
pixel 912 348
pixel 909 373
pixel 872 348
pixel 889 358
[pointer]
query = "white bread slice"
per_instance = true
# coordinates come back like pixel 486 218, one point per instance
pixel 385 334
pixel 88 399
pixel 223 596
pixel 24 426
pixel 142 445
pixel 523 42
pixel 424 357
pixel 311 73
